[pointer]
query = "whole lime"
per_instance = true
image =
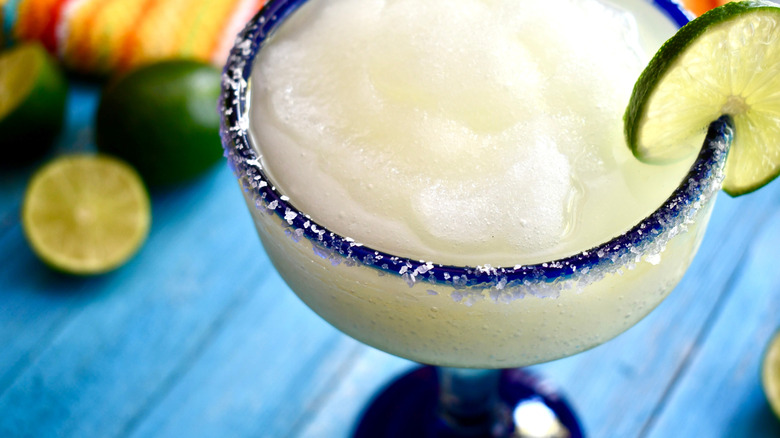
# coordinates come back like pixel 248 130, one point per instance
pixel 162 119
pixel 33 91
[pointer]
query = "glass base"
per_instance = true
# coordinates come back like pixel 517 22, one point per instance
pixel 409 406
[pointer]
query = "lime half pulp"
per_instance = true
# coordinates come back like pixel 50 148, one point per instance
pixel 86 214
pixel 725 62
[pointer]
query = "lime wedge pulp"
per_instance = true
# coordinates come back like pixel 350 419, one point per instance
pixel 86 214
pixel 725 62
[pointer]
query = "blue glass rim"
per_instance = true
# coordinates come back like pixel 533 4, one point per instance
pixel 701 182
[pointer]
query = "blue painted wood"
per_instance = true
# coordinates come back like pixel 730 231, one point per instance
pixel 367 374
pixel 719 392
pixel 236 386
pixel 198 336
pixel 138 325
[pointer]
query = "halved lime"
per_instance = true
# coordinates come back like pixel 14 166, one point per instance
pixel 725 62
pixel 32 102
pixel 770 373
pixel 86 214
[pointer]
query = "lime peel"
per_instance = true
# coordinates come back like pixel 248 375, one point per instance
pixel 161 118
pixel 724 62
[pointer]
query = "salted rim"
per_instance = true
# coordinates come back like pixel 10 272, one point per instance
pixel 646 239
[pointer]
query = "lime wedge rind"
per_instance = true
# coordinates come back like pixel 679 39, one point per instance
pixel 725 62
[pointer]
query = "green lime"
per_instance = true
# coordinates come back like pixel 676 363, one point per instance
pixel 32 103
pixel 770 373
pixel 725 62
pixel 86 214
pixel 162 119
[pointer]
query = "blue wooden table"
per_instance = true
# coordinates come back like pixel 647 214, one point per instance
pixel 197 336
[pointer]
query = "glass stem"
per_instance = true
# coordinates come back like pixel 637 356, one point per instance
pixel 468 400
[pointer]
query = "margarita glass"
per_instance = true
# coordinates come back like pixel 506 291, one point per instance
pixel 475 322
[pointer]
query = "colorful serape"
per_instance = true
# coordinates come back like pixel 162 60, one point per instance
pixel 105 36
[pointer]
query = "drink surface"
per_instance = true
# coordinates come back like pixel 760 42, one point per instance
pixel 462 132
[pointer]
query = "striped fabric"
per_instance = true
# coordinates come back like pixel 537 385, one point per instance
pixel 699 7
pixel 105 36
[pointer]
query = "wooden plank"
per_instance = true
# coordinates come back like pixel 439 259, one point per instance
pixel 139 326
pixel 34 304
pixel 719 393
pixel 259 376
pixel 340 410
pixel 34 299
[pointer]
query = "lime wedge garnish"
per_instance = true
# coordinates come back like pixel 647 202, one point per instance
pixel 32 102
pixel 770 373
pixel 86 214
pixel 725 62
